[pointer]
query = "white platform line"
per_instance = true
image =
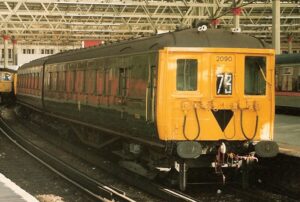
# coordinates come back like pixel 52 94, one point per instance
pixel 15 188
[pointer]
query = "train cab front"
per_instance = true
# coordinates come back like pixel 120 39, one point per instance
pixel 216 105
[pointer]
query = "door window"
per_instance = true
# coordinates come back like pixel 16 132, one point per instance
pixel 255 75
pixel 186 75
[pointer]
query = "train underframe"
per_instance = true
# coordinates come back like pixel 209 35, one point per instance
pixel 237 156
pixel 176 157
pixel 181 156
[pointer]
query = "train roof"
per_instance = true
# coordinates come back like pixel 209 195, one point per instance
pixel 7 70
pixel 184 38
pixel 288 58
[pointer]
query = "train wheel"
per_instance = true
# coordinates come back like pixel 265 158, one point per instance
pixel 182 176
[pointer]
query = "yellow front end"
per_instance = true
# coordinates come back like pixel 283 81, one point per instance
pixel 211 94
pixel 6 80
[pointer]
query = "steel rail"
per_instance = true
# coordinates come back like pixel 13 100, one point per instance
pixel 92 187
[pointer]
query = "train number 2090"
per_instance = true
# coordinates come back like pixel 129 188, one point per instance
pixel 223 58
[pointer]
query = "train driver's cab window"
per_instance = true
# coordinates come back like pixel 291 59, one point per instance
pixel 255 75
pixel 298 80
pixel 186 75
pixel 6 76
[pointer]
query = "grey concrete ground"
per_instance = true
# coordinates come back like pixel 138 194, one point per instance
pixel 287 130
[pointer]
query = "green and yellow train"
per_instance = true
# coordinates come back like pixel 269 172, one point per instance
pixel 7 77
pixel 185 99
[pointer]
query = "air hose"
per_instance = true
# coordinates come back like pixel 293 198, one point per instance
pixel 256 124
pixel 198 126
pixel 234 132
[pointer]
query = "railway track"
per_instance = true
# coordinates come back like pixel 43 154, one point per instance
pixel 94 188
pixel 258 194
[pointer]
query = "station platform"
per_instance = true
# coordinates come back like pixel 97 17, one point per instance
pixel 287 134
pixel 10 192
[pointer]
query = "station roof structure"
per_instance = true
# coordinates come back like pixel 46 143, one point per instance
pixel 72 21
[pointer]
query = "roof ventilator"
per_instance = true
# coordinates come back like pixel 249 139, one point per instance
pixel 202 28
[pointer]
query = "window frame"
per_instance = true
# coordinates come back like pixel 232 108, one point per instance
pixel 123 82
pixel 176 75
pixel 265 74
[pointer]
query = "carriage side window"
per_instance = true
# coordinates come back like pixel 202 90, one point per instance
pixel 38 81
pixel 49 75
pixel 53 81
pixel 255 75
pixel 107 82
pixel 81 81
pixel 71 83
pixel 35 80
pixel 123 74
pixel 28 80
pixel 99 82
pixel 20 82
pixel 90 77
pixel 74 81
pixel 25 80
pixel 104 82
pixel 87 80
pixel 66 79
pixel 61 80
pixel 298 81
pixel 32 80
pixel 186 75
pixel 94 81
pixel 90 80
pixel 56 81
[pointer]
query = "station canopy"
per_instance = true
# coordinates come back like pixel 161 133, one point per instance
pixel 68 22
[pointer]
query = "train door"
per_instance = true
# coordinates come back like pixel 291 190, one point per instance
pixel 123 84
pixel 178 93
pixel 151 93
pixel 256 97
pixel 223 67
